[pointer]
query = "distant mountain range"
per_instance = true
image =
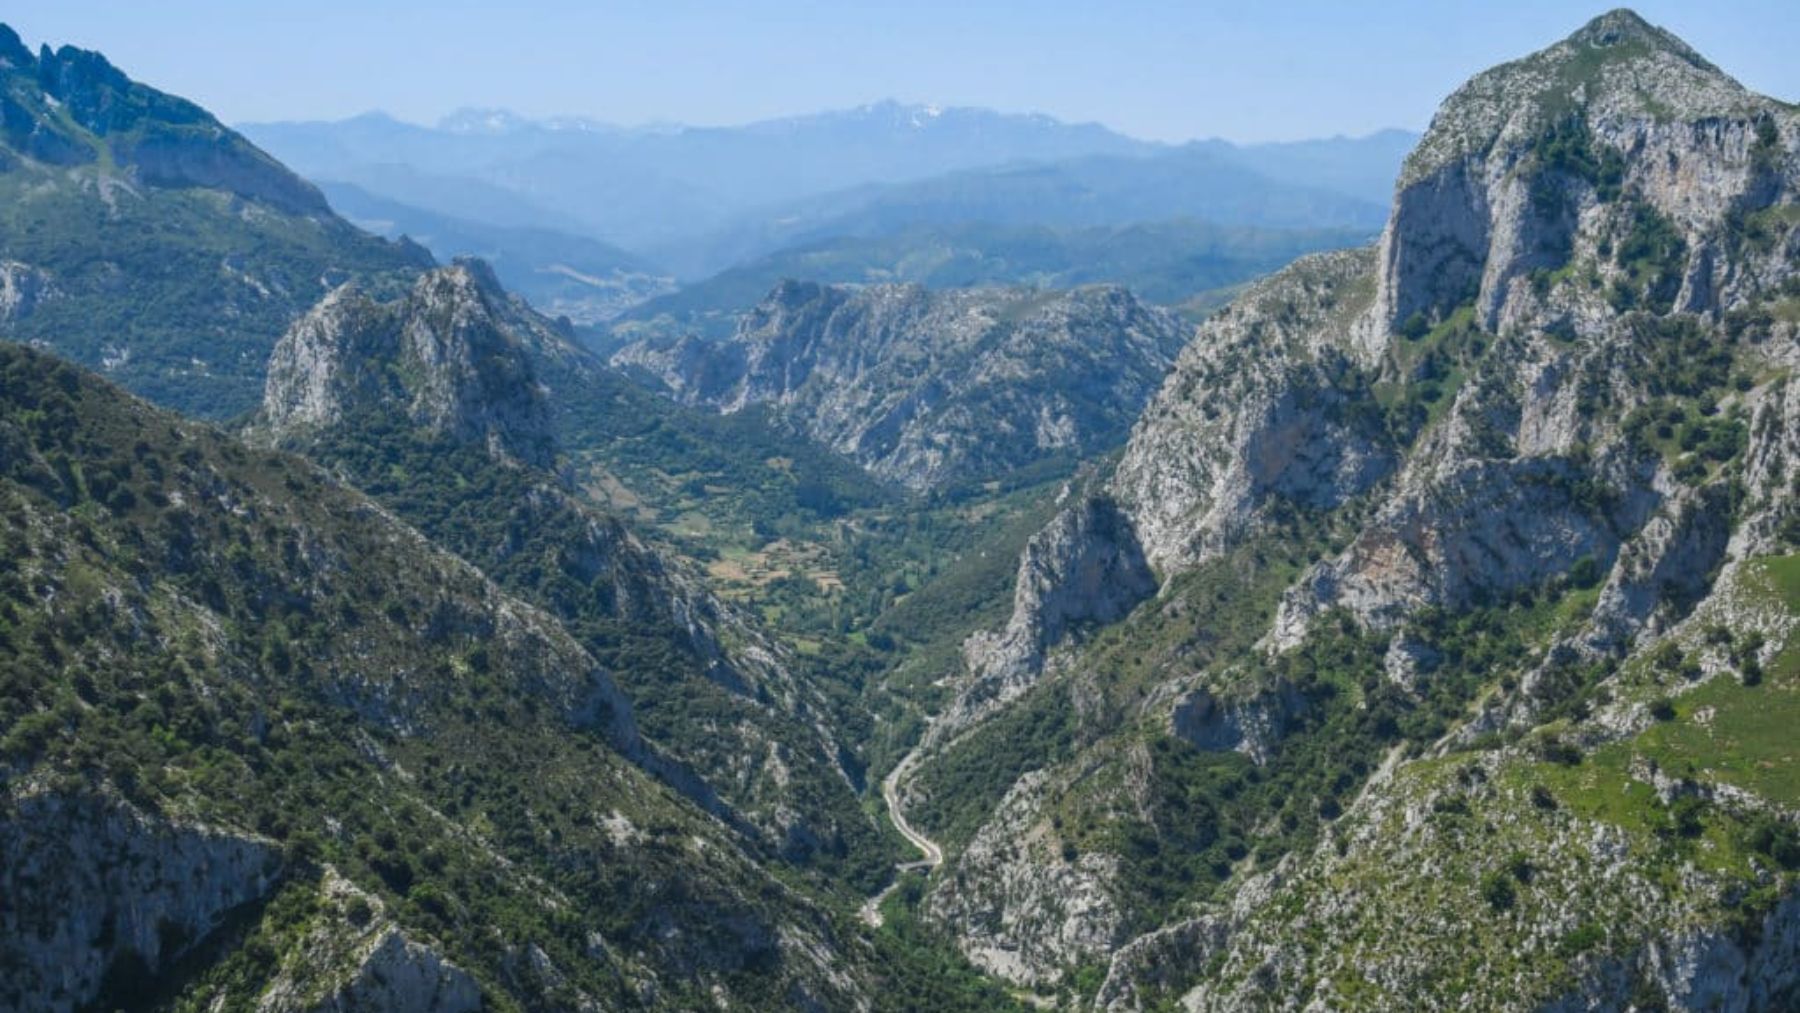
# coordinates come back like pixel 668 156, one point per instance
pixel 699 199
pixel 1181 262
pixel 584 279
pixel 1206 182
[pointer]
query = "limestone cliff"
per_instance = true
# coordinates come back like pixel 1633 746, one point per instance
pixel 454 366
pixel 102 895
pixel 443 355
pixel 1560 379
pixel 927 388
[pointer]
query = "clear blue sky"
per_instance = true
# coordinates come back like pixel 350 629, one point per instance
pixel 1168 70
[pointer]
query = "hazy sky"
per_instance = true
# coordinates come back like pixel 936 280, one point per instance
pixel 1167 70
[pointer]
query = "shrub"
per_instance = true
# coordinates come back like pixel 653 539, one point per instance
pixel 1581 939
pixel 1498 890
pixel 1774 839
pixel 1585 573
pixel 1687 816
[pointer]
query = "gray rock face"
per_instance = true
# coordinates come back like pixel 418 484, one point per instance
pixel 1586 242
pixel 1156 965
pixel 345 967
pixel 926 388
pixel 444 355
pixel 1085 568
pixel 1711 970
pixel 1259 410
pixel 97 891
pixel 400 975
pixel 1470 217
pixel 1019 909
pixel 1528 473
pixel 1255 417
pixel 1251 724
pixel 22 288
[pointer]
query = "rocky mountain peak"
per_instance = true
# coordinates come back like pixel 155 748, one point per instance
pixel 444 355
pixel 1624 27
pixel 92 89
pixel 1614 66
pixel 1530 165
pixel 13 51
pixel 63 106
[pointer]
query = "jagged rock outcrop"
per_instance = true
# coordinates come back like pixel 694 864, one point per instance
pixel 398 974
pixel 1483 201
pixel 443 355
pixel 1261 410
pixel 1255 417
pixel 1269 408
pixel 1249 723
pixel 101 895
pixel 1558 378
pixel 456 363
pixel 928 388
pixel 1022 909
pixel 1533 470
pixel 164 140
pixel 1085 568
pixel 358 959
pixel 147 240
pixel 22 288
pixel 1158 965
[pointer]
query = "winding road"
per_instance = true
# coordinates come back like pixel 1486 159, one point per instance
pixel 934 855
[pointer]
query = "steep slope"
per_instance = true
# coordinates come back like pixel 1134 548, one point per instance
pixel 433 404
pixel 928 388
pixel 1480 529
pixel 117 197
pixel 267 746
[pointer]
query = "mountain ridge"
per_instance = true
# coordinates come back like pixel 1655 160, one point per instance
pixel 1543 406
pixel 773 166
pixel 928 388
pixel 117 195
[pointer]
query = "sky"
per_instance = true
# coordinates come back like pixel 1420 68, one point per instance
pixel 1157 69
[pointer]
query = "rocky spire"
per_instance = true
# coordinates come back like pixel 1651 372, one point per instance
pixel 443 356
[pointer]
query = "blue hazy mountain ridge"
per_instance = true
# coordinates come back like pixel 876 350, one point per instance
pixel 585 279
pixel 1195 182
pixel 632 185
pixel 699 199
